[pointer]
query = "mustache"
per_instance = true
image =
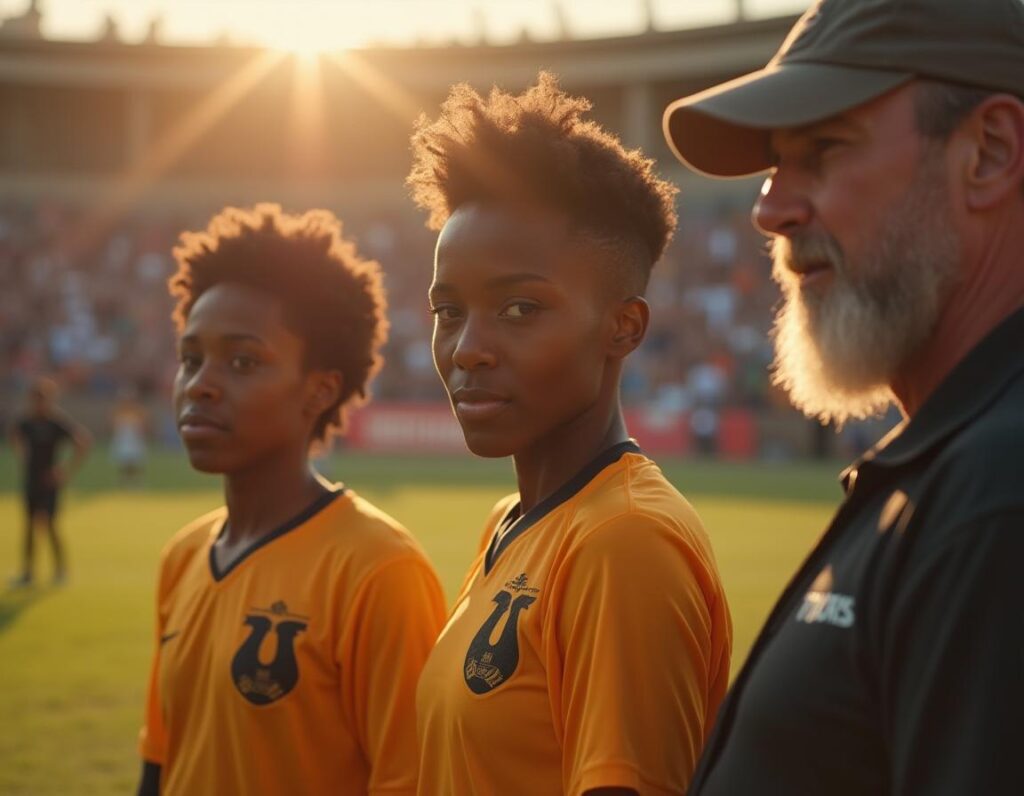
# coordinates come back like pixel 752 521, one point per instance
pixel 803 253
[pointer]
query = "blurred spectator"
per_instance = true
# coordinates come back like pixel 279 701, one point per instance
pixel 129 425
pixel 98 314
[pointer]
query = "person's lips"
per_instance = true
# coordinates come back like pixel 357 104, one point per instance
pixel 811 272
pixel 198 426
pixel 472 404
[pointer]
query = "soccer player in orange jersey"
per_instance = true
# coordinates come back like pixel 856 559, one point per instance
pixel 292 623
pixel 588 649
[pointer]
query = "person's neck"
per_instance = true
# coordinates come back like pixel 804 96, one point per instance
pixel 563 453
pixel 266 495
pixel 991 290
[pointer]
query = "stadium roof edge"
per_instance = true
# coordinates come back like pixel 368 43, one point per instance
pixel 630 41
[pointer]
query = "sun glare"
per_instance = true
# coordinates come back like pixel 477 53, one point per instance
pixel 307 38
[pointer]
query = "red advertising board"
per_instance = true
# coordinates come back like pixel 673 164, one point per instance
pixel 431 428
pixel 405 428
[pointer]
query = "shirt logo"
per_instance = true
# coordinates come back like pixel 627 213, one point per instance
pixel 262 683
pixel 520 583
pixel 489 665
pixel 821 605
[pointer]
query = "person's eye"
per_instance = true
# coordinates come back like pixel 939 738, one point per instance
pixel 519 309
pixel 827 144
pixel 189 362
pixel 243 362
pixel 445 312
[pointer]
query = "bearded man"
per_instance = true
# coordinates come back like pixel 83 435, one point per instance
pixel 892 132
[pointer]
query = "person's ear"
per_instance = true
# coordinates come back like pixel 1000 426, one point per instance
pixel 323 391
pixel 994 138
pixel 632 317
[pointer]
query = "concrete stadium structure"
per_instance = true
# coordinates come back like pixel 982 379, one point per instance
pixel 158 124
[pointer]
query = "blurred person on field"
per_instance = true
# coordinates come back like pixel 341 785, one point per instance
pixel 291 623
pixel 39 439
pixel 892 132
pixel 588 649
pixel 129 426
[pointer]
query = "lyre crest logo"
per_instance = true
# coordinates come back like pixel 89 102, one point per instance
pixel 262 683
pixel 489 665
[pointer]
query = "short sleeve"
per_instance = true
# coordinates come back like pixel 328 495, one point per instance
pixel 642 659
pixel 153 737
pixel 953 666
pixel 396 618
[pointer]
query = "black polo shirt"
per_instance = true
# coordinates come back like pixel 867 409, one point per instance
pixel 894 661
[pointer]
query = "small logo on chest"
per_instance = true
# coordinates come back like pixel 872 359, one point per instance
pixel 822 605
pixel 521 583
pixel 262 683
pixel 487 664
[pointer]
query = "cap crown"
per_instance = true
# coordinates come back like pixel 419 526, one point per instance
pixel 976 42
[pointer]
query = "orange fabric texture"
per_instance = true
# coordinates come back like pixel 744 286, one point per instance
pixel 295 672
pixel 594 653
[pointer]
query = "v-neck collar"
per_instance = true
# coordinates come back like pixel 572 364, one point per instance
pixel 517 525
pixel 306 514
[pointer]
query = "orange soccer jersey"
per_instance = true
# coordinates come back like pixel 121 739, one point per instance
pixel 295 670
pixel 589 646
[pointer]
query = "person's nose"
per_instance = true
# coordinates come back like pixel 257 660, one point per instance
pixel 474 347
pixel 782 208
pixel 203 383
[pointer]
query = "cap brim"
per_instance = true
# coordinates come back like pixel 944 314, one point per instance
pixel 724 131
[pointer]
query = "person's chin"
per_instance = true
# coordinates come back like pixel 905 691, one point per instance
pixel 488 444
pixel 205 460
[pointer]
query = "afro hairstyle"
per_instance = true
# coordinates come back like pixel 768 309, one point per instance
pixel 331 297
pixel 537 147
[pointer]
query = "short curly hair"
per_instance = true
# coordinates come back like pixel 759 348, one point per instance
pixel 538 147
pixel 332 298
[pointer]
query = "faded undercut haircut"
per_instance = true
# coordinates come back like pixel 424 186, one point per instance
pixel 332 298
pixel 537 148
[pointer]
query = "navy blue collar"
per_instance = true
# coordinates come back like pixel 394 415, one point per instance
pixel 307 513
pixel 502 538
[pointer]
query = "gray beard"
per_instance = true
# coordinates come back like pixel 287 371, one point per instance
pixel 837 352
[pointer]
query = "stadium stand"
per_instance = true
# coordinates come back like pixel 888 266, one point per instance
pixel 108 150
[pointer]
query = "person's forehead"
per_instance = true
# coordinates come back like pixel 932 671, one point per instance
pixel 231 298
pixel 235 310
pixel 512 227
pixel 492 246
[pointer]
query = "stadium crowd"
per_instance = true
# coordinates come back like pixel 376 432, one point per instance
pixel 89 304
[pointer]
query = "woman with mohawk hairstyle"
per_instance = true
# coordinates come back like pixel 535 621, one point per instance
pixel 589 647
pixel 292 623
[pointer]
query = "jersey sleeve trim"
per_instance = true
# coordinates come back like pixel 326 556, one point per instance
pixel 615 774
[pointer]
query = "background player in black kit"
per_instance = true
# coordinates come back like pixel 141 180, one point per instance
pixel 38 438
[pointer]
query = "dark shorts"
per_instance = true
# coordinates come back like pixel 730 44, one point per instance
pixel 41 500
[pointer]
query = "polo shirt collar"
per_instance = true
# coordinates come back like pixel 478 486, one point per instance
pixel 973 384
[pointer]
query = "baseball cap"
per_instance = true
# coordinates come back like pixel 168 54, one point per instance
pixel 840 54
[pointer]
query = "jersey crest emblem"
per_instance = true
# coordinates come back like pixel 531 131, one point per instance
pixel 262 683
pixel 489 665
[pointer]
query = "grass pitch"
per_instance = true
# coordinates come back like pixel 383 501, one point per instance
pixel 73 660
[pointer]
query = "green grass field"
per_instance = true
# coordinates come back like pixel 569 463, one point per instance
pixel 73 660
